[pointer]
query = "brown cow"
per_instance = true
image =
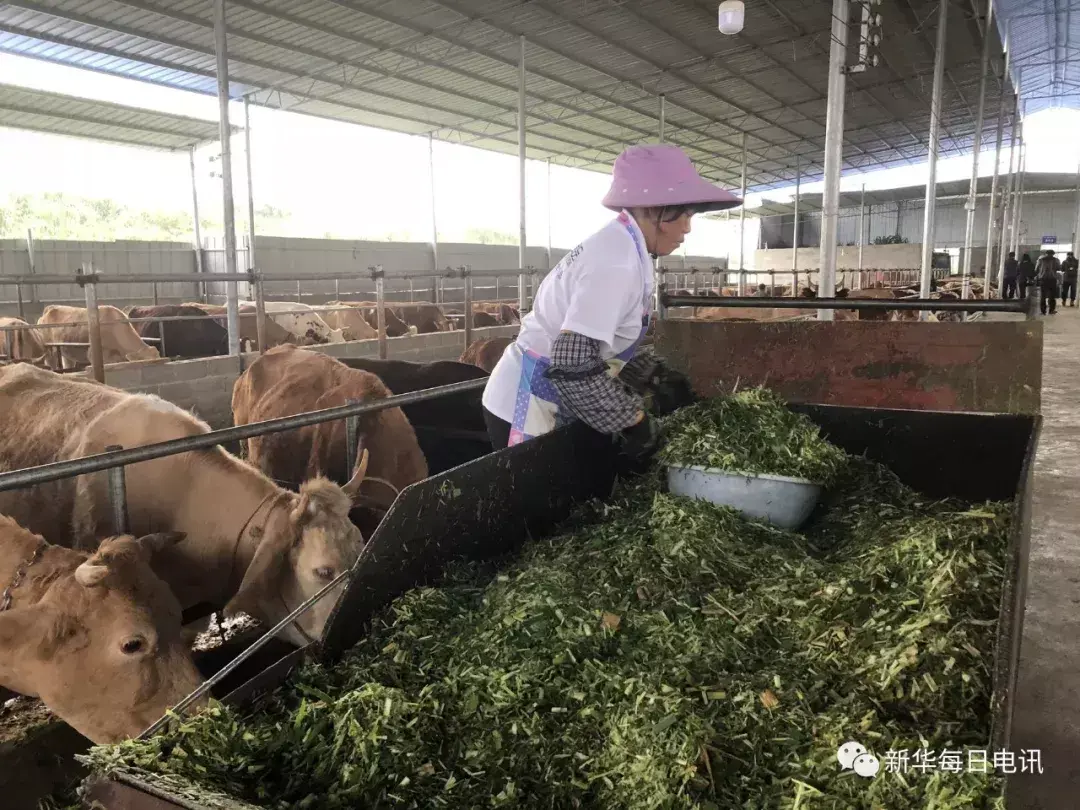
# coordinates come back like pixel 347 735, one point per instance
pixel 484 319
pixel 504 314
pixel 395 327
pixel 119 340
pixel 251 546
pixel 485 353
pixel 350 321
pixel 95 637
pixel 427 318
pixel 287 381
pixel 276 335
pixel 22 345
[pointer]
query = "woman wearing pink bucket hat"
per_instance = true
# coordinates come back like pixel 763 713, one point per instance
pixel 574 357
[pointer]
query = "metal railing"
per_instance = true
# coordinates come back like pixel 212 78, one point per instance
pixel 1027 306
pixel 854 279
pixel 115 459
pixel 89 282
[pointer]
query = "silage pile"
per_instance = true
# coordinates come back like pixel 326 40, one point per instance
pixel 660 653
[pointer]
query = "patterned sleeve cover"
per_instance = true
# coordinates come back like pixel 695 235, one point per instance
pixel 586 389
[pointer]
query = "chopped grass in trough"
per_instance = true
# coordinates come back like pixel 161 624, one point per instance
pixel 660 653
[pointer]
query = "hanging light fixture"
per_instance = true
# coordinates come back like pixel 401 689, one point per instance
pixel 731 17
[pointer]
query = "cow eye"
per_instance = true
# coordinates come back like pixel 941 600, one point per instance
pixel 324 573
pixel 132 646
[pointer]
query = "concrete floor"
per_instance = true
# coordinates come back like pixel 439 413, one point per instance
pixel 1047 713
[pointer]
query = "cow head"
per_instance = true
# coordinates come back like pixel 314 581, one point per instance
pixel 102 648
pixel 145 353
pixel 304 547
pixel 337 336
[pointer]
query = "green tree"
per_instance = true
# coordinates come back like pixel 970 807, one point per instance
pixel 489 236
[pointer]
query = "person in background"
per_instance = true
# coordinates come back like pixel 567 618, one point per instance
pixel 576 356
pixel 1026 274
pixel 1009 276
pixel 1046 276
pixel 1069 269
pixel 762 291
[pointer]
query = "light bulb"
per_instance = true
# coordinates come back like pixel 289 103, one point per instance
pixel 731 17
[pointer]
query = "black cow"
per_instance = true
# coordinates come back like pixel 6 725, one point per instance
pixel 204 337
pixel 451 430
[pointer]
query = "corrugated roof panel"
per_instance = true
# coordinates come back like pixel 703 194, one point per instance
pixel 59 114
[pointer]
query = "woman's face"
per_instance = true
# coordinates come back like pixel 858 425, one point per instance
pixel 670 234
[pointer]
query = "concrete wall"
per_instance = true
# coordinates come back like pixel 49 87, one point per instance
pixel 1044 214
pixel 282 256
pixel 877 257
pixel 53 257
pixel 205 386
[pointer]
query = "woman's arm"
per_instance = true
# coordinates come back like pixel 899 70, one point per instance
pixel 587 391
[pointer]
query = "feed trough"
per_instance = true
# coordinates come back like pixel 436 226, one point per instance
pixel 492 505
pixel 778 499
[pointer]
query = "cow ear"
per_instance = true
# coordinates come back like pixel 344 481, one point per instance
pixel 159 541
pixel 263 575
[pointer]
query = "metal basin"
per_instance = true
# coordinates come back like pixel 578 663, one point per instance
pixel 777 499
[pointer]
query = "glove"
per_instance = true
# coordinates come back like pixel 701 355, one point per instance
pixel 640 441
pixel 663 389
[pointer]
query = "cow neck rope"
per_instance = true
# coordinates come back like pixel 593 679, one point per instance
pixel 273 496
pixel 20 574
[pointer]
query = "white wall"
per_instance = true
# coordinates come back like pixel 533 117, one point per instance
pixel 53 257
pixel 277 255
pixel 1041 215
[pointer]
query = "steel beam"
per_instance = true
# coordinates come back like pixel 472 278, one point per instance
pixel 221 51
pixel 969 231
pixel 834 148
pixel 795 233
pixel 250 189
pixel 522 296
pixel 991 225
pixel 742 224
pixel 434 219
pixel 929 222
pixel 195 222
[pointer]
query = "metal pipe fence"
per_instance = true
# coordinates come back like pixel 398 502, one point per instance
pixel 1027 306
pixel 89 281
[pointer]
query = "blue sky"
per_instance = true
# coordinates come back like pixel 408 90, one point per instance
pixel 356 181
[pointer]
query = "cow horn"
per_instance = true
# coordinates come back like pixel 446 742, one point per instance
pixel 159 541
pixel 90 574
pixel 352 489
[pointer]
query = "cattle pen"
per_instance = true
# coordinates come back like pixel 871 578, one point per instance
pixel 252 460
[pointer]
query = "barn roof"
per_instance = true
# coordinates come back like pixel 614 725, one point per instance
pixel 595 72
pixel 58 114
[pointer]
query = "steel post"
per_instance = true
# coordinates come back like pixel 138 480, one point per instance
pixel 522 297
pixel 862 236
pixel 834 153
pixel 969 230
pixel 30 248
pixel 466 275
pixel 260 312
pixel 550 210
pixel 1004 241
pixel 250 190
pixel 93 317
pixel 19 301
pixel 930 203
pixel 663 118
pixel 221 51
pixel 352 437
pixel 380 305
pixel 742 223
pixel 1076 227
pixel 795 232
pixel 434 219
pixel 991 225
pixel 1020 194
pixel 197 226
pixel 118 494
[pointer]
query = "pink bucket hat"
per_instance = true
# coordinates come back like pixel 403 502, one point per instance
pixel 662 174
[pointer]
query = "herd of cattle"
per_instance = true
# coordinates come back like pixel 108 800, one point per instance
pixel 60 339
pixel 94 623
pixel 944 291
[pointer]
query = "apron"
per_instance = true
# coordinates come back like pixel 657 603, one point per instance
pixel 537 405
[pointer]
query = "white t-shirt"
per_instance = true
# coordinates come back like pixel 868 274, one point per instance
pixel 601 289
